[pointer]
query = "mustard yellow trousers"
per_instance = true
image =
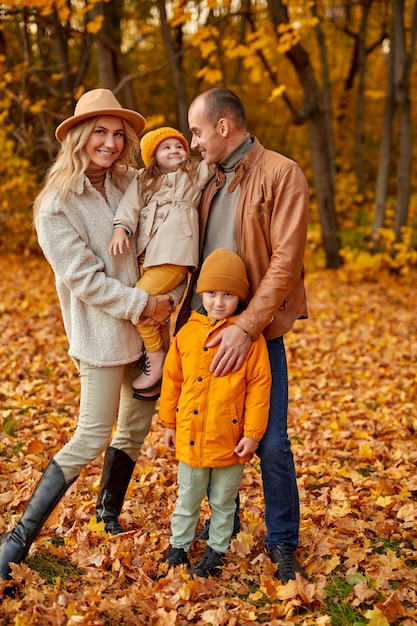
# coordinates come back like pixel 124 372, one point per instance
pixel 156 281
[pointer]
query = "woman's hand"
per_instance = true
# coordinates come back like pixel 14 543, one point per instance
pixel 159 309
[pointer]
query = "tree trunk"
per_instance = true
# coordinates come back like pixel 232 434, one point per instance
pixel 110 62
pixel 361 90
pixel 175 62
pixel 402 68
pixel 384 156
pixel 320 142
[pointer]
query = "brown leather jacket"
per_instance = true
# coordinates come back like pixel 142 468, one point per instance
pixel 271 231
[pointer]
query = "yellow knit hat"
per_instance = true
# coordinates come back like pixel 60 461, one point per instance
pixel 224 270
pixel 150 142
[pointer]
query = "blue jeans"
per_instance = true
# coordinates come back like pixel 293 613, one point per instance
pixel 282 508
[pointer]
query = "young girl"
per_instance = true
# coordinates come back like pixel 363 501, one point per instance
pixel 162 199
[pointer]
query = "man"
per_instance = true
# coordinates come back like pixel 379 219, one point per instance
pixel 256 205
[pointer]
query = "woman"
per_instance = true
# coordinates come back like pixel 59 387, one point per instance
pixel 100 307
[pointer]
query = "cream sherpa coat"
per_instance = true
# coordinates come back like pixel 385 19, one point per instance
pixel 100 305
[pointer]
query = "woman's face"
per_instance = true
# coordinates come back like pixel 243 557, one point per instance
pixel 106 142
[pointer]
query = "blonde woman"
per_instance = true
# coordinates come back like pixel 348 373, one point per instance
pixel 100 307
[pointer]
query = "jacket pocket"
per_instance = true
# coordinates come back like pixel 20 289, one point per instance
pixel 187 219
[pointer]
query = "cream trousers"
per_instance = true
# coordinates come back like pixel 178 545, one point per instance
pixel 106 395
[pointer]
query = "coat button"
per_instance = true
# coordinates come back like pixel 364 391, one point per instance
pixel 195 412
pixel 191 443
pixel 205 348
pixel 199 379
pixel 235 421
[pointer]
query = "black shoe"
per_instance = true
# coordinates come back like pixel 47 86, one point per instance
pixel 204 532
pixel 209 565
pixel 176 556
pixel 287 563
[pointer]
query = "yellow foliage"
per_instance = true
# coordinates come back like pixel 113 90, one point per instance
pixel 276 93
pixel 18 189
pixel 203 34
pixel 212 76
pixel 206 48
pixel 376 618
pixel 37 107
pixel 288 40
pixel 393 256
pixel 96 24
pixel 233 51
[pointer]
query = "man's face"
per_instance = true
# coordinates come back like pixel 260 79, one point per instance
pixel 207 139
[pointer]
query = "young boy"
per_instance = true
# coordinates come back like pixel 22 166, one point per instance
pixel 213 424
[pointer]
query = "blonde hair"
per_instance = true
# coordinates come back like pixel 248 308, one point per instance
pixel 72 161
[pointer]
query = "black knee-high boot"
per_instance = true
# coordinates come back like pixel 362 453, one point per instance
pixel 117 471
pixel 14 545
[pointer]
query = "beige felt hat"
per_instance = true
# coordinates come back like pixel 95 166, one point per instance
pixel 99 102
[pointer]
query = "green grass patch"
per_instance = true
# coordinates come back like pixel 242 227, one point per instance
pixel 381 545
pixel 51 567
pixel 9 426
pixel 338 608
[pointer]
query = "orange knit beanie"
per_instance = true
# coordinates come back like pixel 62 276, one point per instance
pixel 224 270
pixel 150 142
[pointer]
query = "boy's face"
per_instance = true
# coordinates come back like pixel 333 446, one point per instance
pixel 220 304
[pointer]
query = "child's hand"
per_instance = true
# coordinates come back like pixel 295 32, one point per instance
pixel 246 445
pixel 169 439
pixel 118 241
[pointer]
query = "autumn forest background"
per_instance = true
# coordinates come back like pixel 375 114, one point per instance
pixel 330 83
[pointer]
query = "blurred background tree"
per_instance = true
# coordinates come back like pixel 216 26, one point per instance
pixel 326 82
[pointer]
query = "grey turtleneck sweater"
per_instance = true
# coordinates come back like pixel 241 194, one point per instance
pixel 221 225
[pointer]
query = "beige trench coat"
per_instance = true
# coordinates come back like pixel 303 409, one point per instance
pixel 168 223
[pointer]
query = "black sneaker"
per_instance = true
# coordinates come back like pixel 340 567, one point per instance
pixel 209 565
pixel 176 556
pixel 204 532
pixel 287 563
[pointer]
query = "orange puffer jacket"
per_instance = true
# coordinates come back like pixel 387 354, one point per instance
pixel 211 414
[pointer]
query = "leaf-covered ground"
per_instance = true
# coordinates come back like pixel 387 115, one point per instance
pixel 353 422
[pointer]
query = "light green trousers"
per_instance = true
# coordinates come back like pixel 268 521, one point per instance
pixel 192 486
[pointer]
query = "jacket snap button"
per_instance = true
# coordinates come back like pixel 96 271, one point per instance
pixel 199 379
pixel 195 412
pixel 191 443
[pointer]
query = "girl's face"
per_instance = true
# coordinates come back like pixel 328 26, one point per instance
pixel 169 154
pixel 106 142
pixel 220 304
